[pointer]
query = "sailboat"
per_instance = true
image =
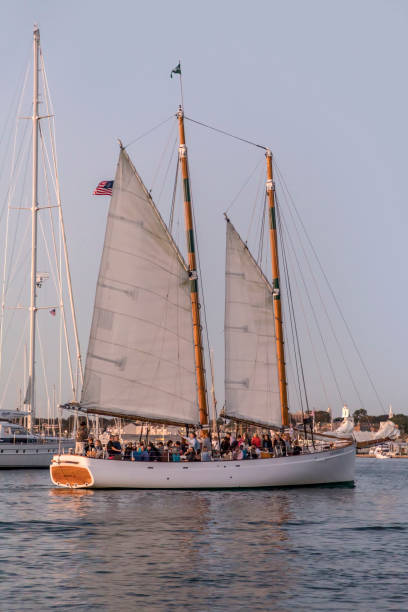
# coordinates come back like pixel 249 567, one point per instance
pixel 145 355
pixel 22 445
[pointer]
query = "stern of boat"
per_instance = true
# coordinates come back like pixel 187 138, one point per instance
pixel 71 471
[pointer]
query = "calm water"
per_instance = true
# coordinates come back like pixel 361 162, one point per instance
pixel 283 550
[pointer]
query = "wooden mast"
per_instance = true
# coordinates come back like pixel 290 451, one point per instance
pixel 195 305
pixel 277 306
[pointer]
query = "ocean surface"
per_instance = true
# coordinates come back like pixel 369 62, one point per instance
pixel 291 549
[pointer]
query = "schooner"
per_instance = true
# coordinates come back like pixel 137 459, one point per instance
pixel 145 355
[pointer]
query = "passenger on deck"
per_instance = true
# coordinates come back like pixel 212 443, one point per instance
pixel 176 452
pixel 98 450
pixel 154 453
pixel 183 445
pixel 89 447
pixel 127 455
pixel 161 452
pixel 296 448
pixel 225 445
pixel 267 443
pixel 169 450
pixel 81 438
pixel 192 441
pixel 114 448
pixel 276 446
pixel 190 454
pixel 205 446
pixel 254 452
pixel 256 441
pixel 282 445
pixel 140 454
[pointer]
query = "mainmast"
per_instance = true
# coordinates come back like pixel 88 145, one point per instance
pixel 195 305
pixel 34 210
pixel 277 305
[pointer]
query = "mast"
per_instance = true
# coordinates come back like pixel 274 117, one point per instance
pixel 277 305
pixel 195 305
pixel 34 210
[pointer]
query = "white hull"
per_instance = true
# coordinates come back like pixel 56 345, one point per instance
pixel 326 467
pixel 30 455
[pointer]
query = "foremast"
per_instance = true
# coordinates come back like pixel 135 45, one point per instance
pixel 195 305
pixel 34 210
pixel 277 305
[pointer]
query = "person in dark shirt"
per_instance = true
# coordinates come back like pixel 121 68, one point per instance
pixel 225 445
pixel 153 454
pixel 81 438
pixel 127 455
pixel 267 443
pixel 114 448
pixel 89 446
pixel 190 454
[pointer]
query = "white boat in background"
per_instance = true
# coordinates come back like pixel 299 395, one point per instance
pixel 21 449
pixel 145 357
pixel 22 282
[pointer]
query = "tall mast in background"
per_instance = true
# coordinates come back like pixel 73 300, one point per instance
pixel 195 305
pixel 277 305
pixel 34 210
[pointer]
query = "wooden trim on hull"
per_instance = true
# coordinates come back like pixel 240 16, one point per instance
pixel 326 467
pixel 71 475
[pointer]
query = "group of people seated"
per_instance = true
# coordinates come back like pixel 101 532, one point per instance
pixel 247 447
pixel 197 448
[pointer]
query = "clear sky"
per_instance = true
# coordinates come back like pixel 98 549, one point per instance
pixel 322 83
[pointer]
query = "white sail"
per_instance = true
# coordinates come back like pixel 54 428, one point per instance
pixel 140 360
pixel 251 372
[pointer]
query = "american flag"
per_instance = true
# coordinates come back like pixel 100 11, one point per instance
pixel 104 188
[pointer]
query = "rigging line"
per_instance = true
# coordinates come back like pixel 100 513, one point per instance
pixel 261 182
pixel 284 225
pixel 210 127
pixel 13 157
pixel 19 212
pixel 7 126
pixel 292 320
pixel 243 186
pixel 43 368
pixel 132 142
pixel 167 169
pixel 299 292
pixel 173 200
pixel 339 347
pixel 291 199
pixel 5 387
pixel 63 249
pixel 160 161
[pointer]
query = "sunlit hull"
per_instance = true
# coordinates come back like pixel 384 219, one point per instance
pixel 327 467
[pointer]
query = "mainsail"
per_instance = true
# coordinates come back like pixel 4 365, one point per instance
pixel 251 372
pixel 140 360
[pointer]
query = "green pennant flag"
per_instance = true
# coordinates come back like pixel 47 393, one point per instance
pixel 176 70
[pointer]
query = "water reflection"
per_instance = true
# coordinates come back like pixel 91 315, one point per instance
pixel 169 550
pixel 163 545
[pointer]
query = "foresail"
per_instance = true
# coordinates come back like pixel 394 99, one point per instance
pixel 140 359
pixel 251 372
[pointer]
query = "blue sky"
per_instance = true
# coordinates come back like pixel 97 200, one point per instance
pixel 322 83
